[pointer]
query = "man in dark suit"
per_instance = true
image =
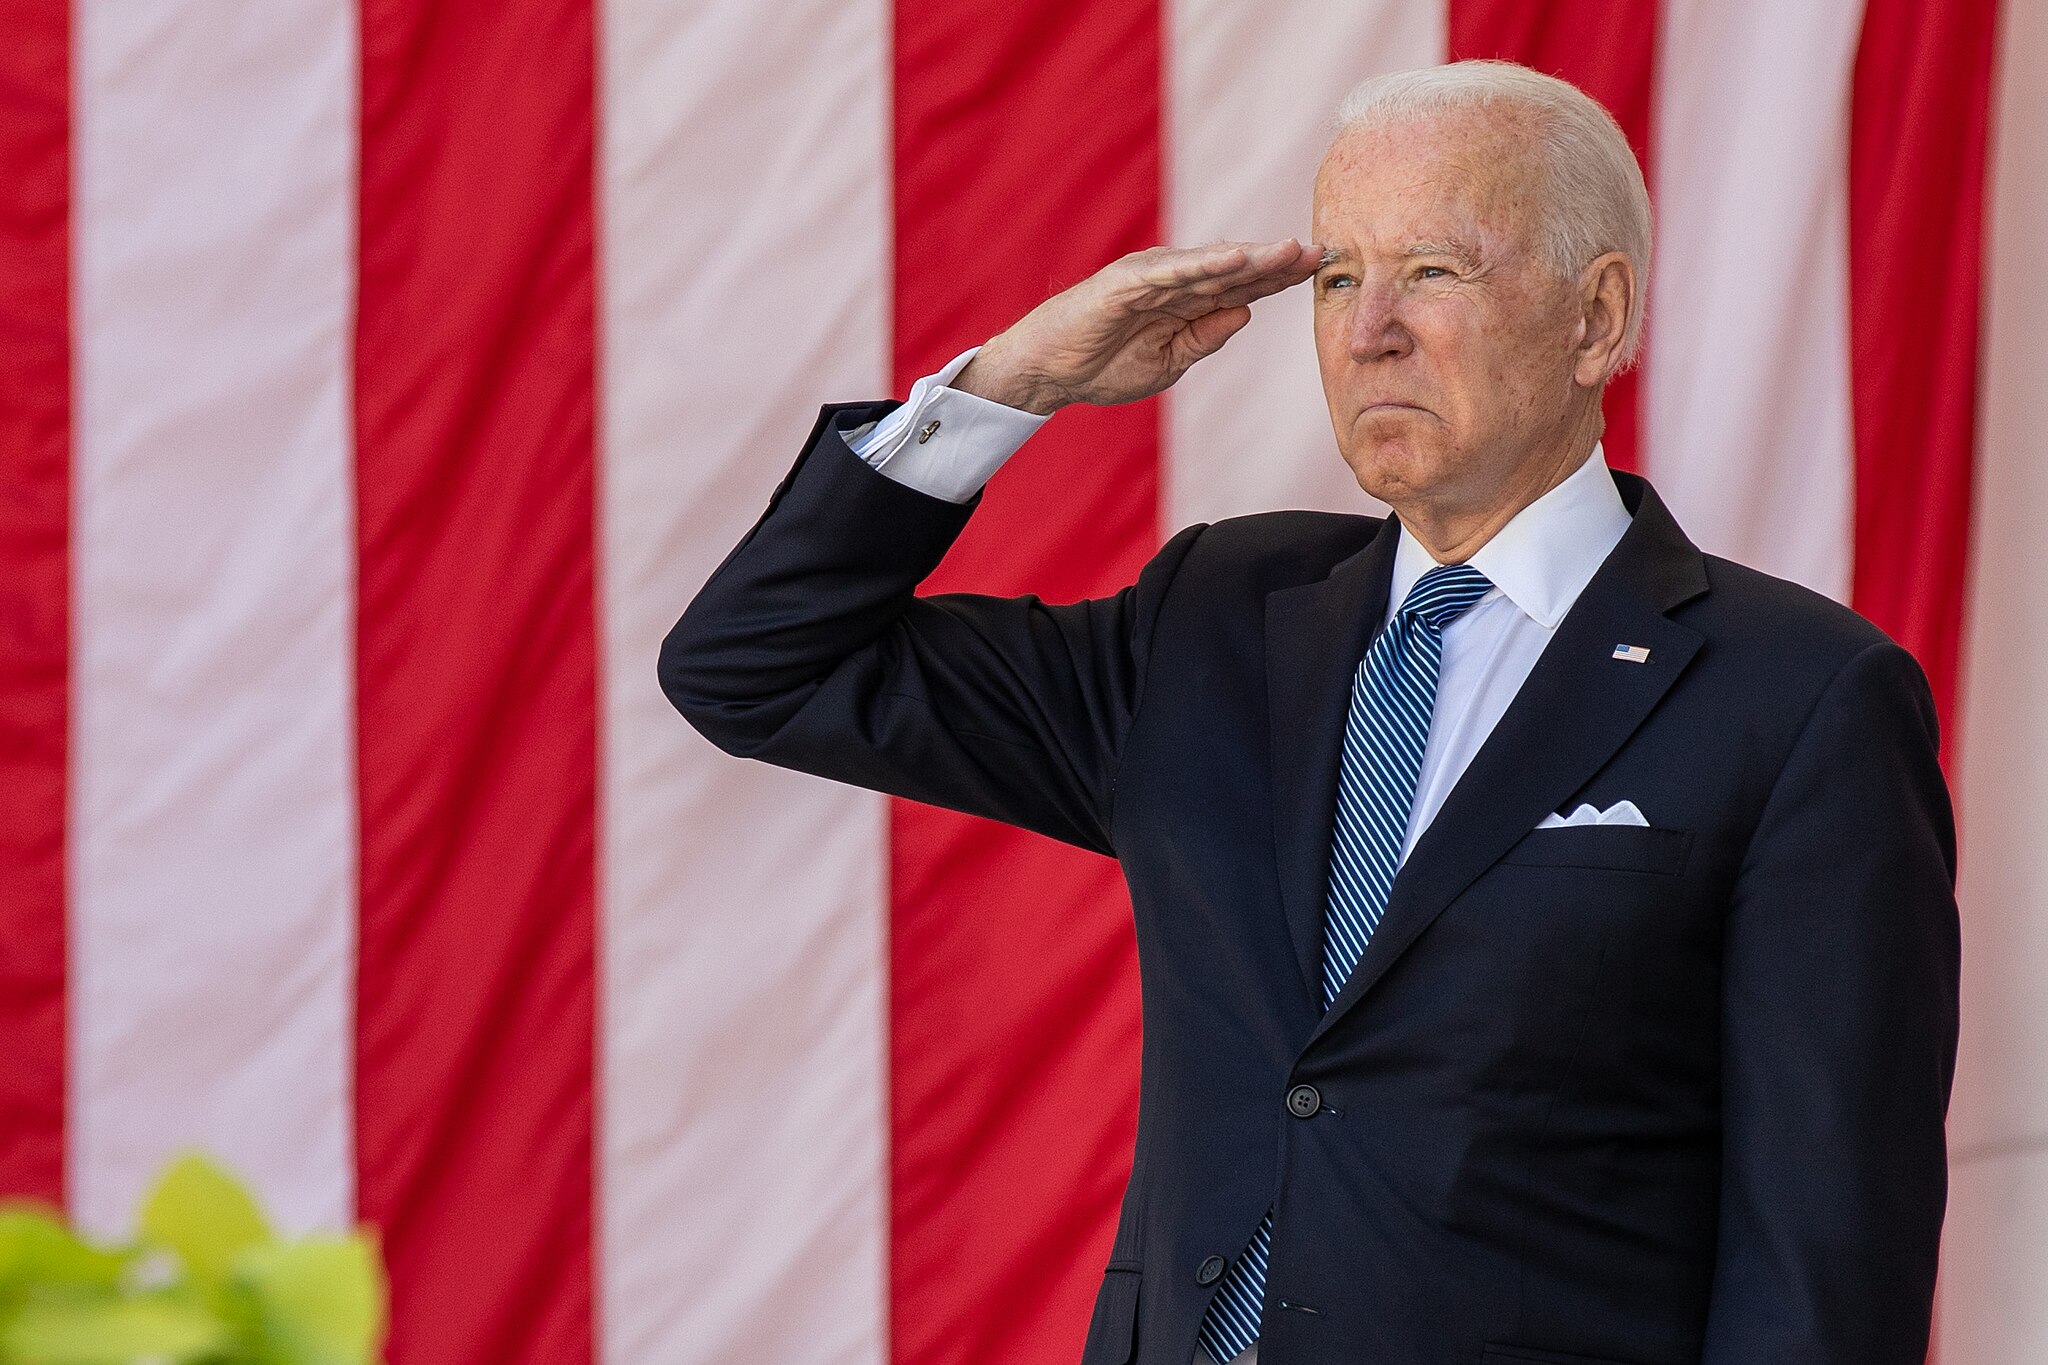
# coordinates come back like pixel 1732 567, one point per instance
pixel 1547 930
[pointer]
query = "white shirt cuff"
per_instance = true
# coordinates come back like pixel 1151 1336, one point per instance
pixel 943 442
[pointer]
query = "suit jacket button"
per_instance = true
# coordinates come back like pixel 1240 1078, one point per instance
pixel 1304 1100
pixel 1209 1271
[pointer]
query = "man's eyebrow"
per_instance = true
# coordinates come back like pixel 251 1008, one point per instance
pixel 1457 250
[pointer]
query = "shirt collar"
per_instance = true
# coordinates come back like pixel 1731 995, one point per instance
pixel 1546 554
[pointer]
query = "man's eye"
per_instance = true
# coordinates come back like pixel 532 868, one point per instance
pixel 1431 272
pixel 1333 281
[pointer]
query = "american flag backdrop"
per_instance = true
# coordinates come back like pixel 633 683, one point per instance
pixel 380 378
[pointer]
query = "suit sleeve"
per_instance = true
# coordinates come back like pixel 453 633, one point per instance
pixel 808 648
pixel 1840 963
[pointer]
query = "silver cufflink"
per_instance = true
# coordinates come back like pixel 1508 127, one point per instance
pixel 929 428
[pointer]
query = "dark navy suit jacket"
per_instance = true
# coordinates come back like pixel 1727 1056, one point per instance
pixel 1603 1095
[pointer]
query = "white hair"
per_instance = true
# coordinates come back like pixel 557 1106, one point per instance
pixel 1595 200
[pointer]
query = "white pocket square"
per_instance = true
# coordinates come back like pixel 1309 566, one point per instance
pixel 1620 813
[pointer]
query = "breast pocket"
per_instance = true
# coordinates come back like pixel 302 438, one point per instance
pixel 1620 848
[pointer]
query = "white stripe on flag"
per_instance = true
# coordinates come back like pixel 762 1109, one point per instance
pixel 1251 90
pixel 1995 1245
pixel 214 808
pixel 1746 416
pixel 743 1176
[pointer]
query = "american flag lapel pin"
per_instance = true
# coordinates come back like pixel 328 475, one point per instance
pixel 1635 654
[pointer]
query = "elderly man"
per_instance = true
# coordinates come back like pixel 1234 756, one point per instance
pixel 1547 930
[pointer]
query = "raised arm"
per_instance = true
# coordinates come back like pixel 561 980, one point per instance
pixel 808 646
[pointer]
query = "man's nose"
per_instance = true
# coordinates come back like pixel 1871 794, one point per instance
pixel 1376 330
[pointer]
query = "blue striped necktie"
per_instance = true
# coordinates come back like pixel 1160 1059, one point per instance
pixel 1392 697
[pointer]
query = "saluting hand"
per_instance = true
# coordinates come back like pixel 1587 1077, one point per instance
pixel 1133 327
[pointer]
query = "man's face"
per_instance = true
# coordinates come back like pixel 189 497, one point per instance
pixel 1444 339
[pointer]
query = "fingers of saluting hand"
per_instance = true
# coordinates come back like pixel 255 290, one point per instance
pixel 1210 272
pixel 1134 326
pixel 1190 282
pixel 1188 304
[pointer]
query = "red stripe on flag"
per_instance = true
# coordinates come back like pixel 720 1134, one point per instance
pixel 1027 155
pixel 35 538
pixel 1607 48
pixel 1916 215
pixel 476 671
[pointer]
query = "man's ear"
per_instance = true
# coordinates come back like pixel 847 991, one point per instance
pixel 1607 291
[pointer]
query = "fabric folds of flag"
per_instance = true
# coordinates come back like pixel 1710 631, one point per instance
pixel 378 380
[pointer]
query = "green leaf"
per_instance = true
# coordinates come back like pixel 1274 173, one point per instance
pixel 113 1333
pixel 322 1298
pixel 206 1283
pixel 204 1215
pixel 36 1249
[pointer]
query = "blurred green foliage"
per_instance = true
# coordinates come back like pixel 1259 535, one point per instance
pixel 205 1282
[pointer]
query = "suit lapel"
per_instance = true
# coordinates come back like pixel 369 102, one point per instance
pixel 1315 635
pixel 1577 707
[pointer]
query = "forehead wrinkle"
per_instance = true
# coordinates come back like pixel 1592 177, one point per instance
pixel 1480 165
pixel 1446 214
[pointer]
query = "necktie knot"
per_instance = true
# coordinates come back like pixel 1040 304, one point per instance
pixel 1445 593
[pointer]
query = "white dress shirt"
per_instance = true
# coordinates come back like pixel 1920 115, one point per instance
pixel 947 443
pixel 942 441
pixel 1538 564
